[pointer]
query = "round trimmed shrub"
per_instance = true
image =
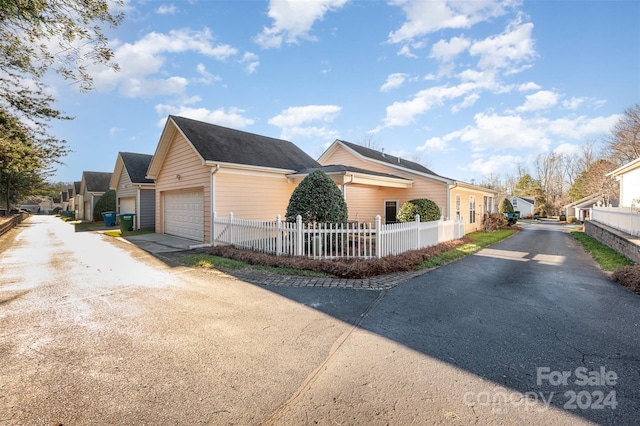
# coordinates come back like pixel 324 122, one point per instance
pixel 106 203
pixel 318 200
pixel 427 209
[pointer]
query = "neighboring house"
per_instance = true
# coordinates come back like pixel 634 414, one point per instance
pixel 43 205
pixel 201 168
pixel 385 182
pixel 78 205
pixel 92 186
pixel 629 177
pixel 72 199
pixel 134 192
pixel 524 205
pixel 581 209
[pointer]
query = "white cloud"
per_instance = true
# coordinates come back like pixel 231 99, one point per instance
pixel 406 51
pixel 231 117
pixel 434 145
pixel 205 76
pixel 296 121
pixel 251 61
pixel 293 20
pixel 167 9
pixel 148 88
pixel 296 116
pixel 425 17
pixel 468 101
pixel 506 50
pixel 403 113
pixel 147 57
pixel 445 51
pixel 394 81
pixel 568 149
pixel 494 164
pixel 527 87
pixel 540 100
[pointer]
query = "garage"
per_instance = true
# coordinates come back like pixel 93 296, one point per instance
pixel 128 205
pixel 184 214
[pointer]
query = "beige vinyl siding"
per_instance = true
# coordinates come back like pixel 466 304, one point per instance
pixel 125 187
pixel 465 195
pixel 423 187
pixel 181 160
pixel 365 202
pixel 252 195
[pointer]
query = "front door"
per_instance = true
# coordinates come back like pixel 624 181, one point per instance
pixel 390 211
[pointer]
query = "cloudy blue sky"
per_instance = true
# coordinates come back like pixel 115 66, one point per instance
pixel 466 88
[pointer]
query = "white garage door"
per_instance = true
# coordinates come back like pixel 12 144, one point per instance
pixel 184 214
pixel 128 205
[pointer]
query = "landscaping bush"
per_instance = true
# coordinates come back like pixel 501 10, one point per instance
pixel 427 209
pixel 572 219
pixel 318 200
pixel 106 203
pixel 505 206
pixel 343 268
pixel 492 222
pixel 629 277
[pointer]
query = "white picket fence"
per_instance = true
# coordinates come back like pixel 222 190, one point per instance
pixel 351 240
pixel 623 218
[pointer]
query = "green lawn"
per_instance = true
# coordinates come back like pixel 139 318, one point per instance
pixel 480 240
pixel 608 258
pixel 222 263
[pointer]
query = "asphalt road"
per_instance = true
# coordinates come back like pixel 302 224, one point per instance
pixel 95 331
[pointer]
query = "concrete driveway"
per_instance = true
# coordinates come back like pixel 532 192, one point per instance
pixel 161 243
pixel 96 331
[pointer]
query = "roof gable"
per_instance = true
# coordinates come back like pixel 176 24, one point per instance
pixel 386 158
pixel 137 166
pixel 95 181
pixel 217 144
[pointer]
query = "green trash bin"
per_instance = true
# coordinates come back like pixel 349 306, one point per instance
pixel 126 221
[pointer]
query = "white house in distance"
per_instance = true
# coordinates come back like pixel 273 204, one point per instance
pixel 524 205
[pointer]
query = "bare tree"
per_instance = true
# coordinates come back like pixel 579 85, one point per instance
pixel 623 145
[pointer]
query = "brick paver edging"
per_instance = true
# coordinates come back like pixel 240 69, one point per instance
pixel 382 282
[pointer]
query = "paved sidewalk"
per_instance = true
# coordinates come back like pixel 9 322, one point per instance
pixel 381 282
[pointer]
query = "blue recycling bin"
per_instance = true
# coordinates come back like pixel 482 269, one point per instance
pixel 126 221
pixel 109 218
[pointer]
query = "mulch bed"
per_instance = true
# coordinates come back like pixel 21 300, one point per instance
pixel 343 268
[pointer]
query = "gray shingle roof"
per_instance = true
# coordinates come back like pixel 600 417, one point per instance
pixel 137 165
pixel 76 186
pixel 97 181
pixel 338 168
pixel 379 156
pixel 217 143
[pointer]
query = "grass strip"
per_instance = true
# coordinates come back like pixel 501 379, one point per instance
pixel 208 261
pixel 480 241
pixel 608 258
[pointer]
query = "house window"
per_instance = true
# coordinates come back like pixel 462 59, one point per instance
pixel 390 211
pixel 488 204
pixel 514 202
pixel 472 209
pixel 457 206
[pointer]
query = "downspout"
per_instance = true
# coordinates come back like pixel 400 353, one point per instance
pixel 344 188
pixel 455 185
pixel 138 204
pixel 212 208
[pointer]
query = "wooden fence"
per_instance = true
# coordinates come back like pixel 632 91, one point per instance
pixel 351 240
pixel 13 221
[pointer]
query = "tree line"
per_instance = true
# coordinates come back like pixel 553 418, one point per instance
pixel 36 38
pixel 556 179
